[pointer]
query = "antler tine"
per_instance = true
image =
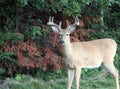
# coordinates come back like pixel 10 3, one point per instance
pixel 49 19
pixel 60 23
pixel 77 20
pixel 52 19
pixel 75 23
pixel 67 23
pixel 52 24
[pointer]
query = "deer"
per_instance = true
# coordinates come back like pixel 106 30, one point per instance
pixel 87 54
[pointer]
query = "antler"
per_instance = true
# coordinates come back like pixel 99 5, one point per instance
pixel 52 24
pixel 56 28
pixel 74 24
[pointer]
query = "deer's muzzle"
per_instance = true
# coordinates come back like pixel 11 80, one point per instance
pixel 62 42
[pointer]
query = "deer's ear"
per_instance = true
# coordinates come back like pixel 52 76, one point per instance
pixel 55 29
pixel 72 28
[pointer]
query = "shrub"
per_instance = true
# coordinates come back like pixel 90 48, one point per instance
pixel 23 30
pixel 8 62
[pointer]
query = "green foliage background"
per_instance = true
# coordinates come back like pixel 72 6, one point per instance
pixel 17 16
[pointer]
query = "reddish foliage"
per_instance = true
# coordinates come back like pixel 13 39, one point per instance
pixel 30 55
pixel 81 35
pixel 50 58
pixel 54 41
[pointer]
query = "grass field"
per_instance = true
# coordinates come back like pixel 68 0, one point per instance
pixel 100 81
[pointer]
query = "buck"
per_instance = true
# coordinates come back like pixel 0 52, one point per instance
pixel 89 54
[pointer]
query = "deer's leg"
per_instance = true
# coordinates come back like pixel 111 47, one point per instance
pixel 70 77
pixel 109 66
pixel 78 74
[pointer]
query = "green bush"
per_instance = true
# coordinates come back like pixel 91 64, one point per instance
pixel 48 75
pixel 2 71
pixel 32 32
pixel 19 16
pixel 68 7
pixel 10 56
pixel 8 64
pixel 5 36
pixel 117 61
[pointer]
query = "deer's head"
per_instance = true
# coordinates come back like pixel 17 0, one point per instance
pixel 63 33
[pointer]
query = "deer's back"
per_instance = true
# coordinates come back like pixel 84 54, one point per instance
pixel 101 48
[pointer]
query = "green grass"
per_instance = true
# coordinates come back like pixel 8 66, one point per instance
pixel 99 81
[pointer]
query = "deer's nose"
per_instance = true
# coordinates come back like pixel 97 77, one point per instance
pixel 61 41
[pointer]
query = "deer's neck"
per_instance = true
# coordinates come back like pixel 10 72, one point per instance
pixel 67 47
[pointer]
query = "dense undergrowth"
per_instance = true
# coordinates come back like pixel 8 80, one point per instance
pixel 27 46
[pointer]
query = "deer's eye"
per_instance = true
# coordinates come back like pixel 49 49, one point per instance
pixel 67 34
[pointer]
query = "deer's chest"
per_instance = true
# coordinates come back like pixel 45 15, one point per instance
pixel 71 62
